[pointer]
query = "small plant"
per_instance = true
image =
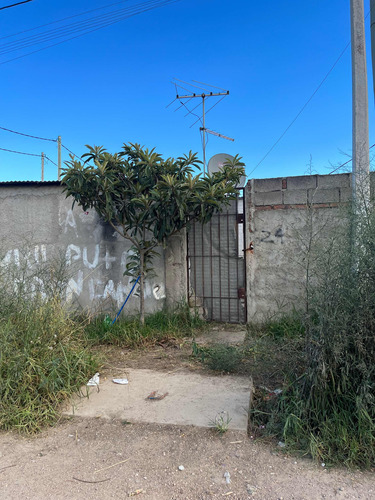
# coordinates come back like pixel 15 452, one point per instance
pixel 221 422
pixel 225 358
pixel 160 326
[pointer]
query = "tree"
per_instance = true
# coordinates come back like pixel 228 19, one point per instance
pixel 145 198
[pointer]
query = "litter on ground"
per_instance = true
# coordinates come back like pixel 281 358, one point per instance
pixel 154 396
pixel 121 381
pixel 94 381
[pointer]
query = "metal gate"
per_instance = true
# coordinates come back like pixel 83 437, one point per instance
pixel 216 265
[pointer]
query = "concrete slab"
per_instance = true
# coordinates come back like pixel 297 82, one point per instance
pixel 192 399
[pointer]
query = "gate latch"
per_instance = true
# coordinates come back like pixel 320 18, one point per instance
pixel 241 293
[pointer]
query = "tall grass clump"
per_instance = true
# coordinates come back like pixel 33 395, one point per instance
pixel 43 359
pixel 129 332
pixel 329 412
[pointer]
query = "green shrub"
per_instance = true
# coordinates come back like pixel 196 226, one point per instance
pixel 130 332
pixel 221 357
pixel 286 326
pixel 42 363
pixel 225 358
pixel 329 412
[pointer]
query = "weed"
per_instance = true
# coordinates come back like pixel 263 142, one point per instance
pixel 221 422
pixel 288 326
pixel 225 358
pixel 42 362
pixel 328 411
pixel 158 327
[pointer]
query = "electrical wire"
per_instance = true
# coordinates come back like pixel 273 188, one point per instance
pixel 151 5
pixel 20 152
pixel 343 165
pixel 28 135
pixel 39 138
pixel 84 25
pixel 180 106
pixel 190 112
pixel 195 107
pixel 71 152
pixel 29 154
pixel 302 109
pixel 15 4
pixel 49 159
pixel 63 19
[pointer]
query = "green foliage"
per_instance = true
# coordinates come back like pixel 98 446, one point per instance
pixel 329 411
pixel 133 265
pixel 42 363
pixel 146 198
pixel 130 332
pixel 287 326
pixel 221 422
pixel 221 357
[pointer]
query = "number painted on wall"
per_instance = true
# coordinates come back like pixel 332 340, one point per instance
pixel 269 237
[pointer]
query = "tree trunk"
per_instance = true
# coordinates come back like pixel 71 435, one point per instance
pixel 142 287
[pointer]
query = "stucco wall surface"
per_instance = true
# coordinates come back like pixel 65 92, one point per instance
pixel 287 220
pixel 37 223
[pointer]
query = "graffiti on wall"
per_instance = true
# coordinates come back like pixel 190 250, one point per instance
pixel 95 269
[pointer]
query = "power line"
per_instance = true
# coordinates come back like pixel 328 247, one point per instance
pixel 15 4
pixel 49 159
pixel 20 152
pixel 343 165
pixel 70 28
pixel 304 106
pixel 302 109
pixel 34 137
pixel 28 135
pixel 63 19
pixel 71 152
pixel 139 9
pixel 29 154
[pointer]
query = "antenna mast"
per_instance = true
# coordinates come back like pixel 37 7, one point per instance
pixel 203 129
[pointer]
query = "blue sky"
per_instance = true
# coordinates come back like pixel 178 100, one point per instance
pixel 113 85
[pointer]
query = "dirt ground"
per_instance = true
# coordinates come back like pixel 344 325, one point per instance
pixel 96 458
pixel 103 459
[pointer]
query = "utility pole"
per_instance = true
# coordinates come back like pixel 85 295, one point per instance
pixel 59 157
pixel 203 128
pixel 361 160
pixel 42 155
pixel 372 21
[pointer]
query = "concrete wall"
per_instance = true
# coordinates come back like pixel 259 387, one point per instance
pixel 286 219
pixel 37 223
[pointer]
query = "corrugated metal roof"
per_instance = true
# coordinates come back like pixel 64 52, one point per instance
pixel 29 183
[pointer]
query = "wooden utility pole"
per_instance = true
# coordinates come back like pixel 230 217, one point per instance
pixel 42 155
pixel 361 160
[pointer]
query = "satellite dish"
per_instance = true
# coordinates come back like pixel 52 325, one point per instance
pixel 217 162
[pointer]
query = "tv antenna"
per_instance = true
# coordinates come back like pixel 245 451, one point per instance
pixel 185 98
